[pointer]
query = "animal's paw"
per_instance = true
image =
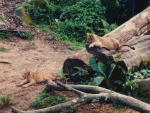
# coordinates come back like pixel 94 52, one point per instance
pixel 24 86
pixel 91 45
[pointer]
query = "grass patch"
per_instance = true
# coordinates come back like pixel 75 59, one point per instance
pixel 3 49
pixel 43 27
pixel 24 35
pixel 5 101
pixel 2 18
pixel 47 100
pixel 73 45
pixel 7 35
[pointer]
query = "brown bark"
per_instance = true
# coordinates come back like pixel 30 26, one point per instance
pixel 144 84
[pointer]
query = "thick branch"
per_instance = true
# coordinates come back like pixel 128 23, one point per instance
pixel 97 94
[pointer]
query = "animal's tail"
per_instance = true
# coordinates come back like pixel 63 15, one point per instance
pixel 128 46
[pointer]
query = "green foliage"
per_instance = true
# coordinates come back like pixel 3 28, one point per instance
pixel 131 85
pixel 130 76
pixel 107 27
pixel 43 27
pixel 119 56
pixel 73 45
pixel 95 74
pixel 5 101
pixel 3 49
pixel 70 111
pixel 4 35
pixel 47 100
pixel 23 35
pixel 71 19
pixel 141 74
pixel 84 16
pixel 2 18
pixel 118 11
pixel 103 71
pixel 8 35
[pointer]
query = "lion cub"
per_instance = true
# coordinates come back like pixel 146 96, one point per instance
pixel 104 42
pixel 34 77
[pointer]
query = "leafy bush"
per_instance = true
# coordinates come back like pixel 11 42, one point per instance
pixel 23 35
pixel 71 19
pixel 5 101
pixel 4 34
pixel 130 76
pixel 97 73
pixel 47 100
pixel 118 11
pixel 103 74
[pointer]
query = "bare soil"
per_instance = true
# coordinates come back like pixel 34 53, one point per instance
pixel 38 55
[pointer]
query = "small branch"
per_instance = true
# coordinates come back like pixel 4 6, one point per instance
pixel 69 88
pixel 83 88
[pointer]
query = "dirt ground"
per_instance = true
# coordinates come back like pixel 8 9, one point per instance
pixel 38 55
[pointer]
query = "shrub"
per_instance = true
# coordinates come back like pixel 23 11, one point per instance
pixel 5 101
pixel 4 34
pixel 76 20
pixel 23 35
pixel 96 73
pixel 107 74
pixel 71 19
pixel 47 100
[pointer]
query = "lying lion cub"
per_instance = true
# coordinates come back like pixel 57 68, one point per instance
pixel 104 42
pixel 34 77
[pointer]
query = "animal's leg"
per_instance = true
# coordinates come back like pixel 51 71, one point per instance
pixel 98 44
pixel 29 84
pixel 22 83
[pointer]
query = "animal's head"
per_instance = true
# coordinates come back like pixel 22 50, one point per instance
pixel 90 38
pixel 27 74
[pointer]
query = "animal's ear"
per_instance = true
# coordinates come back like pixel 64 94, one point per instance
pixel 28 71
pixel 89 35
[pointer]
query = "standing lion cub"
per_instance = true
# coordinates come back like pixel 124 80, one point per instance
pixel 104 42
pixel 34 77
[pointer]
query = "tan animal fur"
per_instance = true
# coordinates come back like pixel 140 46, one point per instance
pixel 104 42
pixel 34 77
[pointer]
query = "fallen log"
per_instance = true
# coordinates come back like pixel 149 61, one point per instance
pixel 90 94
pixel 131 32
pixel 131 59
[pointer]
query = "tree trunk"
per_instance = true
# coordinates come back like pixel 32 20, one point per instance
pixel 136 26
